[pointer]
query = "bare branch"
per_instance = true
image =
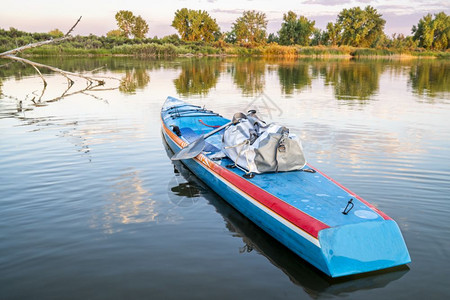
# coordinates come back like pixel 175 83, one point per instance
pixel 40 74
pixel 65 94
pixel 62 72
pixel 38 44
pixel 92 84
pixel 74 25
pixel 34 45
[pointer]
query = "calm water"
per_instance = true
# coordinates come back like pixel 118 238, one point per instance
pixel 91 207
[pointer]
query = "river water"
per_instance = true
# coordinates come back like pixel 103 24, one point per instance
pixel 91 206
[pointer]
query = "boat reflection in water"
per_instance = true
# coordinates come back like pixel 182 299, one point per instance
pixel 315 283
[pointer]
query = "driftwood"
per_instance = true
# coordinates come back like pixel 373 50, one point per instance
pixel 92 82
pixel 38 44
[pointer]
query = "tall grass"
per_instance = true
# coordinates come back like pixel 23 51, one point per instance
pixel 367 52
pixel 279 50
pixel 444 55
pixel 324 51
pixel 57 50
pixel 145 50
pixel 151 49
pixel 270 50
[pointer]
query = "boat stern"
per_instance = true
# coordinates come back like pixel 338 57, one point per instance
pixel 363 247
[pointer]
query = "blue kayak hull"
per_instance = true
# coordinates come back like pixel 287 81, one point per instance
pixel 337 249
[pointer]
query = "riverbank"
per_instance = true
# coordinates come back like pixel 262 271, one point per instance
pixel 197 49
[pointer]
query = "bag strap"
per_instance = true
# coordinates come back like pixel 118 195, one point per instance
pixel 281 147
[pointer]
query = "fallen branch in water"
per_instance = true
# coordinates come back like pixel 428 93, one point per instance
pixel 92 82
pixel 62 72
pixel 38 44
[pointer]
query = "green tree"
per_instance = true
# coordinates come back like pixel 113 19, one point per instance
pixel 332 35
pixel 125 20
pixel 424 32
pixel 273 38
pixel 56 33
pixel 318 37
pixel 295 31
pixel 195 25
pixel 114 33
pixel 130 25
pixel 230 37
pixel 251 27
pixel 360 28
pixel 400 42
pixel 442 31
pixel 140 28
pixel 173 39
pixel 433 33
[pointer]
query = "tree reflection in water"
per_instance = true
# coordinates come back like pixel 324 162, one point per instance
pixel 430 78
pixel 294 75
pixel 134 79
pixel 198 76
pixel 353 80
pixel 249 75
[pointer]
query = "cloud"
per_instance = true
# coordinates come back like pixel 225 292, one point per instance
pixel 236 11
pixel 413 8
pixel 323 2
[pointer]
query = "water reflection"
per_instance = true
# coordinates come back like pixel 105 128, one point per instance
pixel 299 271
pixel 183 189
pixel 128 202
pixel 294 76
pixel 248 75
pixel 16 70
pixel 352 80
pixel 98 64
pixel 134 79
pixel 355 81
pixel 198 76
pixel 430 78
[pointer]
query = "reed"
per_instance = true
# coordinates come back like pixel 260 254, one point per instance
pixel 367 52
pixel 274 49
pixel 324 51
pixel 146 50
pixel 100 46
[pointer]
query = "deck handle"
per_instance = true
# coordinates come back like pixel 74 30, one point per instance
pixel 349 206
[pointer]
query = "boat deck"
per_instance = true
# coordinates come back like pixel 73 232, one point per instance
pixel 311 193
pixel 302 210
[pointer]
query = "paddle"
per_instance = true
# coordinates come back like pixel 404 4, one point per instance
pixel 197 146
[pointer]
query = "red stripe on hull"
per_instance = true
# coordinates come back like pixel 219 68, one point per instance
pixel 300 219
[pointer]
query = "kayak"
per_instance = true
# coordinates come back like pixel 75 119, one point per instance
pixel 314 216
pixel 299 272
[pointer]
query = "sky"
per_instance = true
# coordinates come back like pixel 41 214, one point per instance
pixel 98 15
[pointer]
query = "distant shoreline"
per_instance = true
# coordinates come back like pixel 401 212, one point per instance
pixel 269 50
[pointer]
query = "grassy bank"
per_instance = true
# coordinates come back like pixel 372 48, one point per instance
pixel 165 50
pixel 86 46
pixel 173 46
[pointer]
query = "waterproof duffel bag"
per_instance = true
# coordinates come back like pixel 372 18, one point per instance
pixel 260 148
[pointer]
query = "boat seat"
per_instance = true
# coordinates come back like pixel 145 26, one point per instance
pixel 190 135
